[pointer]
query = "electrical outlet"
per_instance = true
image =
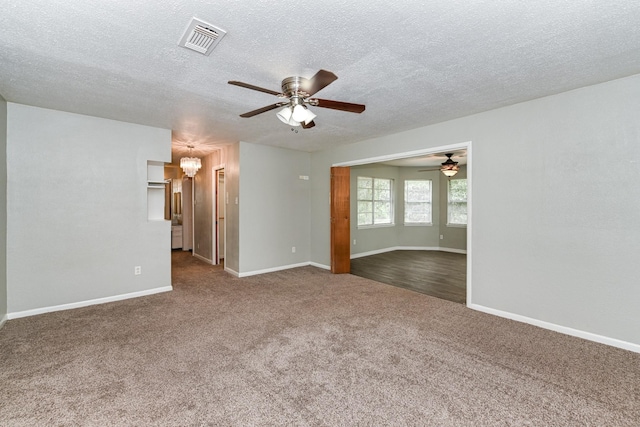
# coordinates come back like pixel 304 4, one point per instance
pixel 137 270
pixel 354 242
pixel 293 249
pixel 441 237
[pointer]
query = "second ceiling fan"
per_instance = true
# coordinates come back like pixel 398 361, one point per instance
pixel 296 95
pixel 448 167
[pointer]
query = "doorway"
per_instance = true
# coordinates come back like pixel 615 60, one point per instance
pixel 219 202
pixel 436 150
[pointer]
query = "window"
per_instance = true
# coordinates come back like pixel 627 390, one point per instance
pixel 457 202
pixel 375 203
pixel 417 201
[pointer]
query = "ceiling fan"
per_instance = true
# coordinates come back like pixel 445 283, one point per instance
pixel 448 167
pixel 296 95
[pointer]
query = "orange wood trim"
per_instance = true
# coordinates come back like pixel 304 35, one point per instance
pixel 340 220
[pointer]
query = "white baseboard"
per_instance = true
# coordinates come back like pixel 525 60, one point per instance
pixel 408 248
pixel 416 248
pixel 271 270
pixel 453 251
pixel 232 272
pixel 3 321
pixel 558 328
pixel 79 304
pixel 327 267
pixel 200 257
pixel 322 266
pixel 383 250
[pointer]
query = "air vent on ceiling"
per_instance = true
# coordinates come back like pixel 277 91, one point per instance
pixel 201 36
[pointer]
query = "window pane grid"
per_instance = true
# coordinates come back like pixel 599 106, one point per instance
pixel 417 201
pixel 457 202
pixel 375 201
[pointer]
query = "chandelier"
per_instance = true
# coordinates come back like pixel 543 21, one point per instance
pixel 190 165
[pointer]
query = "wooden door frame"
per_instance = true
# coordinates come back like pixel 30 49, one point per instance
pixel 340 220
pixel 215 215
pixel 434 150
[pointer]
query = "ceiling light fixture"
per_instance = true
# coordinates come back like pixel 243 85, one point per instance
pixel 296 113
pixel 449 168
pixel 190 165
pixel 286 116
pixel 302 114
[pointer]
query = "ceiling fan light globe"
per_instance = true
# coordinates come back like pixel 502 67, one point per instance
pixel 302 114
pixel 309 116
pixel 298 113
pixel 449 172
pixel 285 115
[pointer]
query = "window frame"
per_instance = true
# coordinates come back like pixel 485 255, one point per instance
pixel 449 203
pixel 373 201
pixel 429 203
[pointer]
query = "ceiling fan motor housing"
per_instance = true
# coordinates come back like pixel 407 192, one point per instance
pixel 295 86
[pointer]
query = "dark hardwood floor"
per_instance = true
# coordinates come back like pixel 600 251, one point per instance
pixel 435 273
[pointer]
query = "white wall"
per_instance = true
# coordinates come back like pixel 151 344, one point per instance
pixel 556 231
pixel 232 212
pixel 274 208
pixel 3 211
pixel 77 210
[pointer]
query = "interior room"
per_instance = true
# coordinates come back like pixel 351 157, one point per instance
pixel 186 186
pixel 425 249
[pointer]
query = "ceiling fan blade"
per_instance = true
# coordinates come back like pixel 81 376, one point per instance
pixel 259 89
pixel 428 170
pixel 338 105
pixel 322 79
pixel 310 125
pixel 261 110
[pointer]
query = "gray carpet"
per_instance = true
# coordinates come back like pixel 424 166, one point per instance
pixel 303 347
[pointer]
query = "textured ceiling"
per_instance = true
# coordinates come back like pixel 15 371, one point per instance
pixel 429 160
pixel 412 62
